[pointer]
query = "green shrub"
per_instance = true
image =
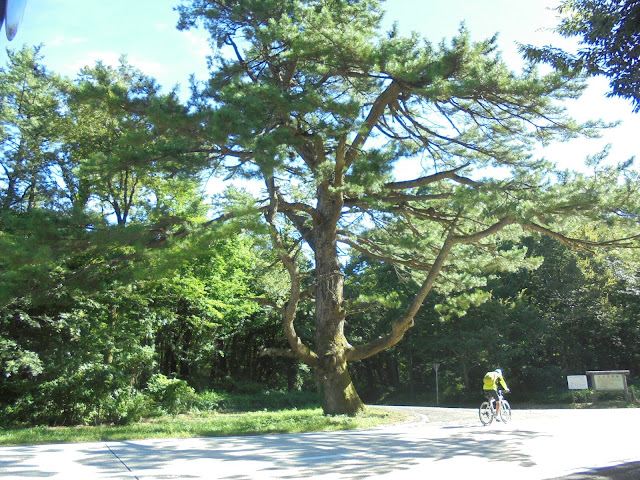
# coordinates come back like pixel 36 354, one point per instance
pixel 232 385
pixel 210 401
pixel 93 394
pixel 171 395
pixel 124 406
pixel 96 394
pixel 265 400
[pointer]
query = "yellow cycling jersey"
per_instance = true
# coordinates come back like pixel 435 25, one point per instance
pixel 491 380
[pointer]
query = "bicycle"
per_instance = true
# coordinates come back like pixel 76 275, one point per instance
pixel 487 410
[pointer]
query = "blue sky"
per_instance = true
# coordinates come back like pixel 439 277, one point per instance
pixel 76 33
pixel 79 32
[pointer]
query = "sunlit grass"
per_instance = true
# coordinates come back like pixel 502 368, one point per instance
pixel 206 424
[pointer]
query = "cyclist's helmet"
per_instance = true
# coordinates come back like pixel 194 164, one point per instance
pixel 499 370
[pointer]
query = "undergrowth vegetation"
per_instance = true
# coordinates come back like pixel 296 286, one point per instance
pixel 163 396
pixel 204 424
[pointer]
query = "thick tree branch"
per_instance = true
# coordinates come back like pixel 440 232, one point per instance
pixel 419 182
pixel 229 41
pixel 377 110
pixel 493 229
pixel 393 198
pixel 340 161
pixel 399 328
pixel 413 263
pixel 581 244
pixel 301 350
pixel 296 207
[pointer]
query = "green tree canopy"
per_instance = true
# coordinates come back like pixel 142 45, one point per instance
pixel 93 298
pixel 608 32
pixel 30 114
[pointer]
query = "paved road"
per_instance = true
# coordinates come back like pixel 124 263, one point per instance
pixel 444 443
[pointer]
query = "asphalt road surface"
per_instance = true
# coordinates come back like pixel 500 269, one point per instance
pixel 442 443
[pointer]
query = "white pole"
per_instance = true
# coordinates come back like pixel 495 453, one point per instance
pixel 435 367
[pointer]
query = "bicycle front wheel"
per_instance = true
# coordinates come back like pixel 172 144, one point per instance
pixel 485 413
pixel 505 411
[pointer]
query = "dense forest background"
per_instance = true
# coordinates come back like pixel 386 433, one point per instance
pixel 100 311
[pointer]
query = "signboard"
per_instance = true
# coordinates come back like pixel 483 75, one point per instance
pixel 609 381
pixel 577 382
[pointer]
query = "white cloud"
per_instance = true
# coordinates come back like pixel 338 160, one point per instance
pixel 153 69
pixel 56 42
pixel 197 40
pixel 111 58
pixel 90 58
pixel 62 41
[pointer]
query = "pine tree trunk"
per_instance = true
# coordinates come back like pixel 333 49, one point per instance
pixel 339 396
pixel 334 383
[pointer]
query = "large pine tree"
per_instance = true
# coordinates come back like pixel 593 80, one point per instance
pixel 312 98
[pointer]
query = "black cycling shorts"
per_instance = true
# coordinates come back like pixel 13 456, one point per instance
pixel 489 394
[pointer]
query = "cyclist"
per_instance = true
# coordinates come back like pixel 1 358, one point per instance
pixel 490 387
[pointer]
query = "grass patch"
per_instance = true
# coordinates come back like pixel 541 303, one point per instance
pixel 207 424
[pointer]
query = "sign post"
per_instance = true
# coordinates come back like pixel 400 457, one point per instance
pixel 435 367
pixel 578 382
pixel 609 381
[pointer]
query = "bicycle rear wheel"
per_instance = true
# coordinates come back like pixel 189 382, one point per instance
pixel 485 413
pixel 505 411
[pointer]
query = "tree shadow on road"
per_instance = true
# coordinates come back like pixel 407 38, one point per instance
pixel 352 454
pixel 40 461
pixel 625 471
